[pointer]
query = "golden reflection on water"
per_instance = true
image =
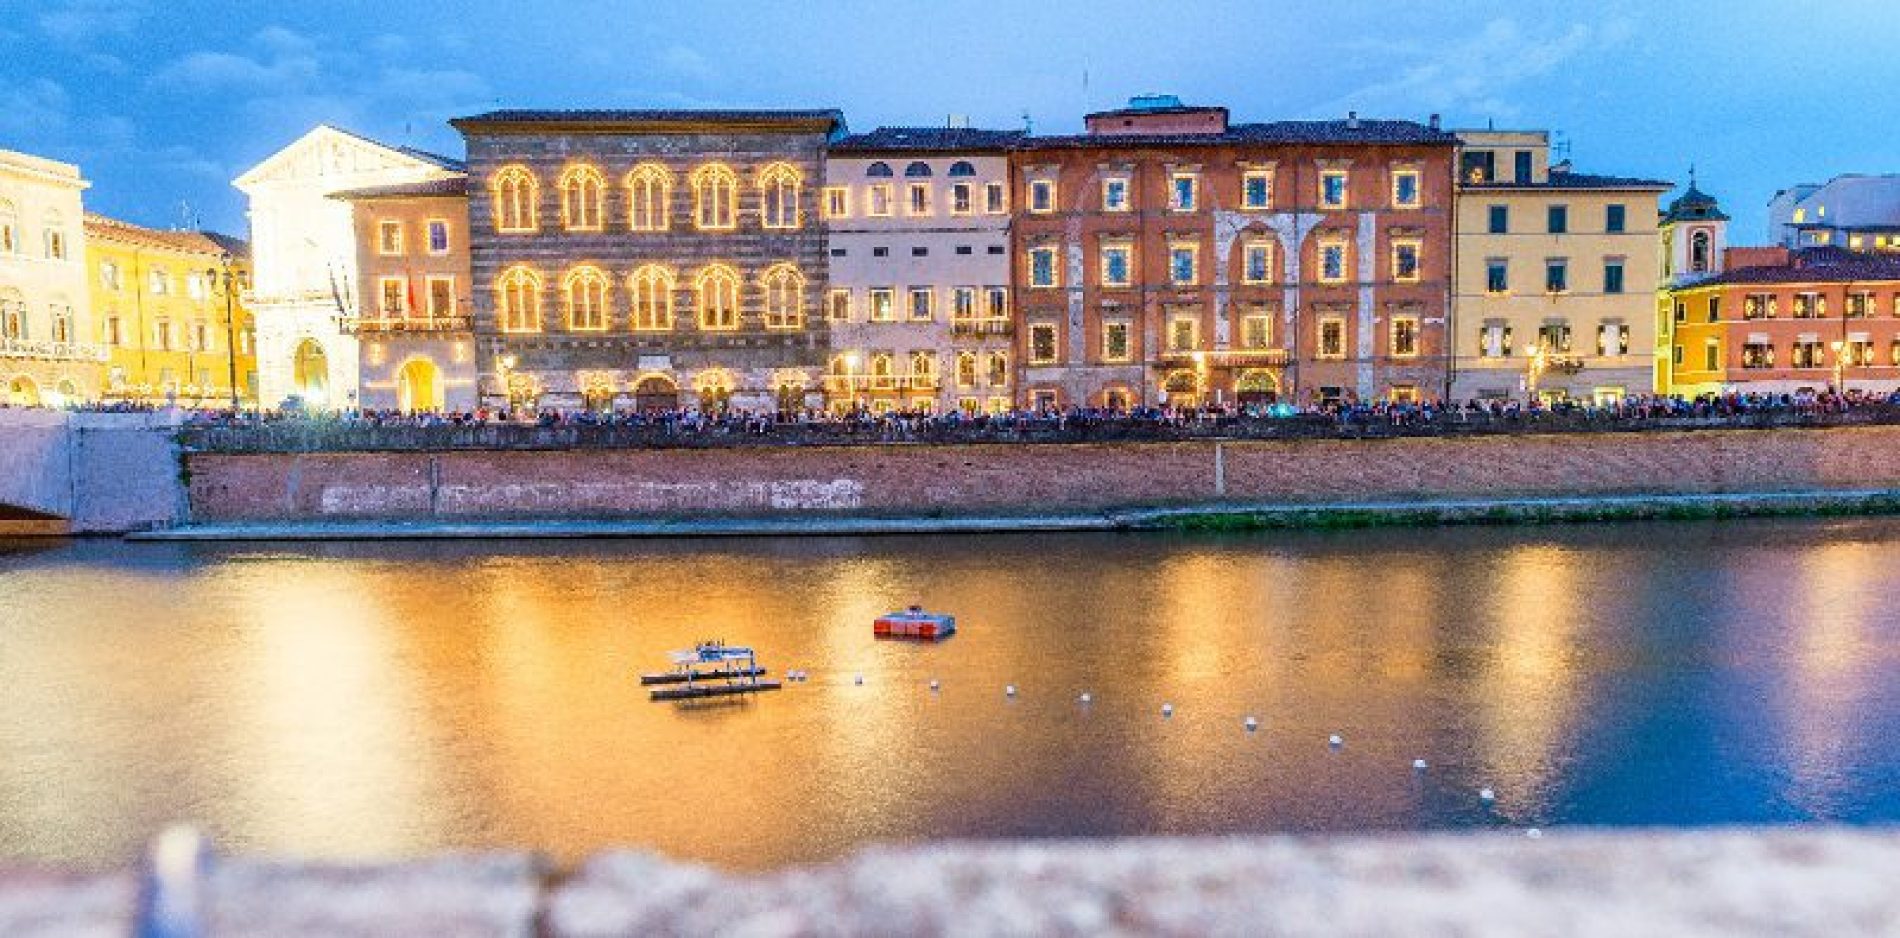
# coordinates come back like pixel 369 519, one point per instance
pixel 364 701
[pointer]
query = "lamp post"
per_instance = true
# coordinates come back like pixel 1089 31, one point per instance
pixel 504 367
pixel 222 277
pixel 1535 364
pixel 1840 366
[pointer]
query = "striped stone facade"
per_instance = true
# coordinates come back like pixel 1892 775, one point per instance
pixel 627 358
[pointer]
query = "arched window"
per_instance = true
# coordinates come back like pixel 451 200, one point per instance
pixel 966 369
pixel 718 289
pixel 923 370
pixel 518 300
pixel 586 289
pixel 883 371
pixel 515 192
pixel 649 188
pixel 960 169
pixel 55 236
pixel 1699 251
pixel 652 289
pixel 12 314
pixel 583 198
pixel 784 297
pixel 879 170
pixel 918 169
pixel 999 369
pixel 715 192
pixel 778 196
pixel 9 228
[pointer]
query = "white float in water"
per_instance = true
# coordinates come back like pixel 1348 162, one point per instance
pixel 1486 794
pixel 1167 709
pixel 1251 724
pixel 1009 690
pixel 1334 741
pixel 1085 698
pixel 933 684
pixel 860 679
pixel 1418 764
pixel 1534 834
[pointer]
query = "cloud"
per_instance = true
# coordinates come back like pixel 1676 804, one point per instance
pixel 687 63
pixel 38 108
pixel 287 62
pixel 1478 74
pixel 77 22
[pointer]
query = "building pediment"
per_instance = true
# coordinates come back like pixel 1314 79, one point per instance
pixel 329 154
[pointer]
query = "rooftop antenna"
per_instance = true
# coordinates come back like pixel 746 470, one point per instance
pixel 1691 175
pixel 1561 148
pixel 1029 126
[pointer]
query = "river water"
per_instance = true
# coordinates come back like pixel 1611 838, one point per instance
pixel 375 700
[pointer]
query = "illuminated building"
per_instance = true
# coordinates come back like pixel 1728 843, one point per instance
pixel 304 255
pixel 48 351
pixel 163 316
pixel 413 316
pixel 919 304
pixel 1853 211
pixel 649 259
pixel 1556 271
pixel 1169 257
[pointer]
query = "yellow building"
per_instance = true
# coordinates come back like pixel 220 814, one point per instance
pixel 1556 275
pixel 169 308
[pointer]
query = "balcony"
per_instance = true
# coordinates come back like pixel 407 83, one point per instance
pixel 840 384
pixel 52 351
pixel 405 324
pixel 1231 357
pixel 981 327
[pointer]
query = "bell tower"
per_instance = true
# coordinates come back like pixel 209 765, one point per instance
pixel 1694 234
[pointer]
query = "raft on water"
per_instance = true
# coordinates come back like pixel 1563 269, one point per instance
pixel 914 623
pixel 735 670
pixel 687 677
pixel 696 691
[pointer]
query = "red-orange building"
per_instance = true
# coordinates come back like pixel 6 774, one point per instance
pixel 1170 257
pixel 1778 322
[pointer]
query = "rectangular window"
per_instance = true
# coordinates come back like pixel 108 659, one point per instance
pixel 1859 305
pixel 996 303
pixel 1682 311
pixel 837 202
pixel 1042 196
pixel 1712 357
pixel 1115 342
pixel 1494 341
pixel 441 297
pixel 1615 219
pixel 115 331
pixel 883 304
pixel 389 237
pixel 1810 355
pixel 1405 189
pixel 1042 346
pixel 1256 189
pixel 1115 194
pixel 1182 189
pixel 1559 219
pixel 880 200
pixel 1613 338
pixel 1332 188
pixel 392 289
pixel 1715 308
pixel 438 236
pixel 1522 166
pixel 994 200
pixel 838 305
pixel 1332 262
pixel 1332 337
pixel 962 200
pixel 195 286
pixel 1500 219
pixel 1497 276
pixel 1257 263
pixel 1809 306
pixel 922 301
pixel 1759 306
pixel 1115 272
pixel 1613 277
pixel 1556 276
pixel 1184 333
pixel 1404 336
pixel 1042 267
pixel 1405 261
pixel 1554 337
pixel 1256 330
pixel 1183 264
pixel 920 198
pixel 963 303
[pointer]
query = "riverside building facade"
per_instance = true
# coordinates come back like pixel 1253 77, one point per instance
pixel 171 314
pixel 919 302
pixel 49 351
pixel 1169 257
pixel 649 259
pixel 1555 277
pixel 414 322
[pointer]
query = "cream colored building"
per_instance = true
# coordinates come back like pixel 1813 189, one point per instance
pixel 304 259
pixel 919 305
pixel 1554 293
pixel 48 352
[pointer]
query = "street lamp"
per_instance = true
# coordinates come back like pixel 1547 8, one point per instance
pixel 1840 366
pixel 1537 362
pixel 222 277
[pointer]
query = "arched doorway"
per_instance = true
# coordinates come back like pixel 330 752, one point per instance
pixel 1256 387
pixel 419 386
pixel 655 392
pixel 1183 388
pixel 23 393
pixel 310 373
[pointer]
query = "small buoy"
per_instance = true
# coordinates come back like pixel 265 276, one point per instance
pixel 1167 709
pixel 933 684
pixel 1534 834
pixel 1009 690
pixel 1486 794
pixel 1085 698
pixel 1251 724
pixel 1334 741
pixel 1418 764
pixel 860 679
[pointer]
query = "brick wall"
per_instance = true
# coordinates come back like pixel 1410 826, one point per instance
pixel 1022 479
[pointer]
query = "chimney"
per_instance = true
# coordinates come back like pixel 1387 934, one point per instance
pixel 1434 122
pixel 1352 120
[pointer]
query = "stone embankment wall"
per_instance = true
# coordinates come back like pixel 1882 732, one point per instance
pixel 925 480
pixel 88 473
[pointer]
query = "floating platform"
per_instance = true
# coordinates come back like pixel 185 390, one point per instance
pixel 697 691
pixel 914 623
pixel 684 677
